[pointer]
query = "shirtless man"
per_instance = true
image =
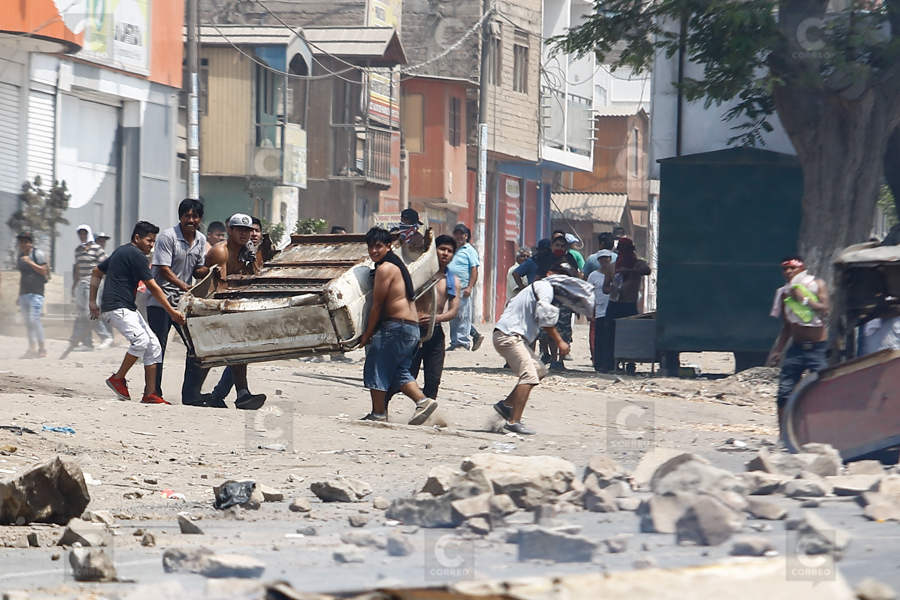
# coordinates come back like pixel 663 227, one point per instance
pixel 430 354
pixel 802 304
pixel 226 255
pixel 393 331
pixel 623 284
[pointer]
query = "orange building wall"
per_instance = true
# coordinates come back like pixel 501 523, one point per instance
pixel 167 45
pixel 40 19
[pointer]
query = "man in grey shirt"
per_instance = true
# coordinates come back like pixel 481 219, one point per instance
pixel 177 259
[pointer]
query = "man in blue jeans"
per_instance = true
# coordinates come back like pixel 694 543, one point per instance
pixel 465 266
pixel 393 331
pixel 802 304
pixel 33 266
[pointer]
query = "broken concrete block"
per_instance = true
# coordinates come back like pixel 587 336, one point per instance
pixel 628 504
pixel 540 543
pixel 33 541
pixel 400 545
pixel 751 545
pixel 380 503
pixel 659 514
pixel 440 478
pixel 882 511
pixel 889 485
pixel 148 540
pixel 853 485
pixel 821 538
pixel 358 520
pixel 185 560
pixel 365 539
pixel 256 500
pixel 220 566
pixel 865 467
pixel 91 564
pixel 685 473
pixel 349 554
pixel 597 500
pixel 763 462
pixel 340 489
pixel 806 488
pixel 478 525
pixel 84 533
pixel 270 494
pixel 605 469
pixel 764 509
pixel 301 504
pixel 424 512
pixel 617 489
pixel 528 480
pixel 476 506
pixel 760 483
pixel 649 463
pixel 501 505
pixel 99 516
pixel 51 492
pixel 872 589
pixel 707 522
pixel 188 527
pixel 829 462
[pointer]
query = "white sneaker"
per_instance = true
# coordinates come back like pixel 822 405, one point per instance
pixel 423 411
pixel 103 345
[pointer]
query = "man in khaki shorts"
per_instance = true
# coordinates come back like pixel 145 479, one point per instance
pixel 525 315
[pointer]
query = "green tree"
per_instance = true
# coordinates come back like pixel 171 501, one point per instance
pixel 832 78
pixel 41 210
pixel 308 226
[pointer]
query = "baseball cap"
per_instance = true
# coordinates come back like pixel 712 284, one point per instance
pixel 544 244
pixel 101 235
pixel 461 227
pixel 240 220
pixel 571 238
pixel 603 253
pixel 411 216
pixel 563 267
pixel 25 235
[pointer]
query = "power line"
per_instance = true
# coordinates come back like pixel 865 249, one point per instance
pixel 453 47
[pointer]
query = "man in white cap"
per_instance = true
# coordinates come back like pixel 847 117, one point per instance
pixel 227 256
pixel 88 255
pixel 601 300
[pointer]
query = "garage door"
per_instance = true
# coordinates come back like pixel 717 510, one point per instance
pixel 9 138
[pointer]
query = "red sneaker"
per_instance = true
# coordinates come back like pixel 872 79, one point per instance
pixel 153 399
pixel 119 386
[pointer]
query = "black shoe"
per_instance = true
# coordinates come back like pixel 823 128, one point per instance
pixel 248 401
pixel 503 410
pixel 545 358
pixel 477 341
pixel 557 366
pixel 213 402
pixel 374 417
pixel 193 401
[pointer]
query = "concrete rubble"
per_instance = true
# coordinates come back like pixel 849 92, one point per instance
pixel 340 489
pixel 92 564
pixel 50 492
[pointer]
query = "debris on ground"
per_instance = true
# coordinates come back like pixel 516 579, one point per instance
pixel 51 492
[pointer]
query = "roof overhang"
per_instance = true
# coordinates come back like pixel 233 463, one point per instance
pixel 372 46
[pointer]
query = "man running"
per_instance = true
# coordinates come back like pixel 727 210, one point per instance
pixel 430 354
pixel 124 270
pixel 393 330
pixel 802 304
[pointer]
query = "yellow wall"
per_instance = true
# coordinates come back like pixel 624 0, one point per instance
pixel 227 127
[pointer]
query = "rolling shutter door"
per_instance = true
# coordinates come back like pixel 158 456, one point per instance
pixel 41 136
pixel 9 138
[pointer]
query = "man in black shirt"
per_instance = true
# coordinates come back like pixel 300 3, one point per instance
pixel 125 269
pixel 33 267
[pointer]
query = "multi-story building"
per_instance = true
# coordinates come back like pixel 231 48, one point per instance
pixel 97 109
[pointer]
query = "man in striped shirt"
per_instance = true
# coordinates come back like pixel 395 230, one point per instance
pixel 88 255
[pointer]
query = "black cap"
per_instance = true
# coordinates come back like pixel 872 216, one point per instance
pixel 25 235
pixel 411 216
pixel 461 227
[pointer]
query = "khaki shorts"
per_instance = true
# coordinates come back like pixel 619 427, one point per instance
pixel 520 358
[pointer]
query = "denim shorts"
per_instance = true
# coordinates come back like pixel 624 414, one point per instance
pixel 390 356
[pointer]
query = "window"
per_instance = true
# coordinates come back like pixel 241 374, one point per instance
pixel 455 129
pixel 413 113
pixel 495 63
pixel 520 62
pixel 635 151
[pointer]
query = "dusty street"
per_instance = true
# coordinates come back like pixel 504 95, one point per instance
pixel 132 455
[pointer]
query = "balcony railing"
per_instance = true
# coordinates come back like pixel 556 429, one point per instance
pixel 362 152
pixel 567 120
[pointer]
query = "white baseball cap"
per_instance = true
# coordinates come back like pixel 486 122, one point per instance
pixel 603 253
pixel 240 220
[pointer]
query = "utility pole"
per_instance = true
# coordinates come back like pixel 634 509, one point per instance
pixel 193 105
pixel 481 205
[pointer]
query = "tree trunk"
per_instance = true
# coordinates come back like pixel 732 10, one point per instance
pixel 841 146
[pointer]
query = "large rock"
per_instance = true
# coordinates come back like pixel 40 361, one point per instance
pixel 476 506
pixel 751 545
pixel 428 511
pixel 649 463
pixel 528 480
pixel 545 544
pixel 764 463
pixel 865 467
pixel 501 506
pixel 764 509
pixel 51 492
pixel 440 479
pixel 872 589
pixel 84 533
pixel 185 560
pixel 694 475
pixel 806 488
pixel 605 469
pixel 821 459
pixel 707 522
pixel 659 514
pixel 760 483
pixel 821 538
pixel 92 564
pixel 219 566
pixel 853 485
pixel 400 545
pixel 340 489
pixel 829 462
pixel 599 500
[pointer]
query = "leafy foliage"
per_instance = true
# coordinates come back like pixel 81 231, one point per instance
pixel 40 210
pixel 886 202
pixel 308 226
pixel 275 231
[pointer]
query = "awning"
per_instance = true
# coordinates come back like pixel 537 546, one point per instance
pixel 577 206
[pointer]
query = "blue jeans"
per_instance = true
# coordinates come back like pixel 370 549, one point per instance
pixel 32 305
pixel 390 356
pixel 226 383
pixel 461 326
pixel 797 360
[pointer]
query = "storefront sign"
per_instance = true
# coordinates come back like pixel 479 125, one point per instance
pixel 117 33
